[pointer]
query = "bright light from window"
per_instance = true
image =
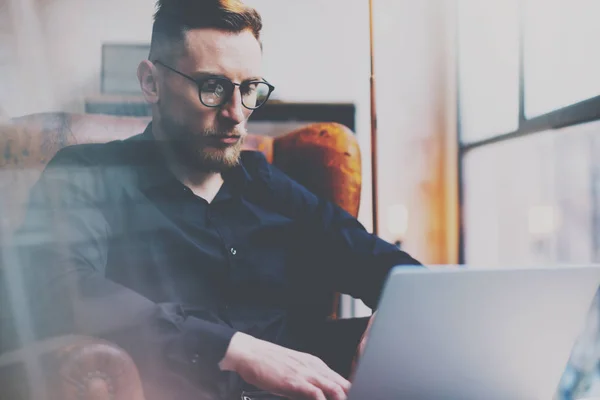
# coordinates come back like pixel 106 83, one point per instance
pixel 543 220
pixel 398 220
pixel 561 53
pixel 489 67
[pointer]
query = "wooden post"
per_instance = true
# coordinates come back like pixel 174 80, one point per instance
pixel 373 127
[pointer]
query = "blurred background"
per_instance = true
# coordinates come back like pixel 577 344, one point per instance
pixel 488 113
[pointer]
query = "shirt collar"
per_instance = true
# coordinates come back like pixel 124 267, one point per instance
pixel 154 173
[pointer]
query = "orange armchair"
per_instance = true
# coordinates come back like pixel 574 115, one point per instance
pixel 324 157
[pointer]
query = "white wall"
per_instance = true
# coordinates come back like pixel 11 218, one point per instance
pixel 58 46
pixel 413 58
pixel 315 50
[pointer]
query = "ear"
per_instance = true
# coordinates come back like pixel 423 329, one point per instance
pixel 147 75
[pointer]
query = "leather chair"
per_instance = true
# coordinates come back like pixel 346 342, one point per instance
pixel 324 157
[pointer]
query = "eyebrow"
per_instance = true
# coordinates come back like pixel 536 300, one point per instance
pixel 208 74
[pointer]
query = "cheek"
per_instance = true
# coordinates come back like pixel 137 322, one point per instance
pixel 180 98
pixel 202 117
pixel 185 106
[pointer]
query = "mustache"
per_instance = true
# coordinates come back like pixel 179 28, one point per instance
pixel 214 133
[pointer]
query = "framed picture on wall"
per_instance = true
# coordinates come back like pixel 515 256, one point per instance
pixel 119 66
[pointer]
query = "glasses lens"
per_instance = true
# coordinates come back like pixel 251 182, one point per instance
pixel 215 91
pixel 255 94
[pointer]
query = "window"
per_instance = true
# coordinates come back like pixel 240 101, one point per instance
pixel 529 140
pixel 526 94
pixel 561 53
pixel 533 200
pixel 489 68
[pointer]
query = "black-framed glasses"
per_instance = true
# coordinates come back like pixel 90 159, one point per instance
pixel 214 91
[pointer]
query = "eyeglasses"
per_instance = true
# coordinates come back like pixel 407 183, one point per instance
pixel 215 91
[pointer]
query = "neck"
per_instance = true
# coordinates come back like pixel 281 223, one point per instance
pixel 202 183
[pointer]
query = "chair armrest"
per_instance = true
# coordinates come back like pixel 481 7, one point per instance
pixel 72 368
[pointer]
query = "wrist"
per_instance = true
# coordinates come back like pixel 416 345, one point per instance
pixel 238 345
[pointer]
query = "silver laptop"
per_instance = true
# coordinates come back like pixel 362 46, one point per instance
pixel 474 333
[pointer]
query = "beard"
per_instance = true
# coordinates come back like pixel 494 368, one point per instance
pixel 202 151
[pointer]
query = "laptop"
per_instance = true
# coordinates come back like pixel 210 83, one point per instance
pixel 457 333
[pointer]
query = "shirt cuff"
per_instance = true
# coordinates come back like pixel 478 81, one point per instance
pixel 206 342
pixel 199 346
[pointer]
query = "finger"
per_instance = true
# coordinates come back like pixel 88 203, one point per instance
pixel 311 392
pixel 340 382
pixel 331 389
pixel 302 390
pixel 334 376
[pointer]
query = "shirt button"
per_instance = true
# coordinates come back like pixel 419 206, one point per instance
pixel 233 251
pixel 195 359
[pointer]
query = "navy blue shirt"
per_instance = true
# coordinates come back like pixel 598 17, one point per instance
pixel 114 246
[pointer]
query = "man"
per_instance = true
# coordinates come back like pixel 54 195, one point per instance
pixel 186 251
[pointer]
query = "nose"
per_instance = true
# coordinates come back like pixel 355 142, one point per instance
pixel 233 110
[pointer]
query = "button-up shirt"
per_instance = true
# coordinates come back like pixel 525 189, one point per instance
pixel 114 246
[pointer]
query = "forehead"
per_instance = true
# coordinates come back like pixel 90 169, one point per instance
pixel 235 55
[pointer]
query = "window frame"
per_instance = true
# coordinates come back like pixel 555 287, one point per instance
pixel 578 113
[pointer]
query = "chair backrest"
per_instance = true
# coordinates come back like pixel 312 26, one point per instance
pixel 324 157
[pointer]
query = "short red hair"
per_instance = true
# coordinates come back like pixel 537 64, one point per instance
pixel 173 18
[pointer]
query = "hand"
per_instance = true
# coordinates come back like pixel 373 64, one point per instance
pixel 282 371
pixel 361 346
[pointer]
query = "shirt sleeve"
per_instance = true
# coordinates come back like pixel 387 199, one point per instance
pixel 348 257
pixel 61 257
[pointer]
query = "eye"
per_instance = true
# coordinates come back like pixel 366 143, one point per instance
pixel 249 88
pixel 213 86
pixel 219 89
